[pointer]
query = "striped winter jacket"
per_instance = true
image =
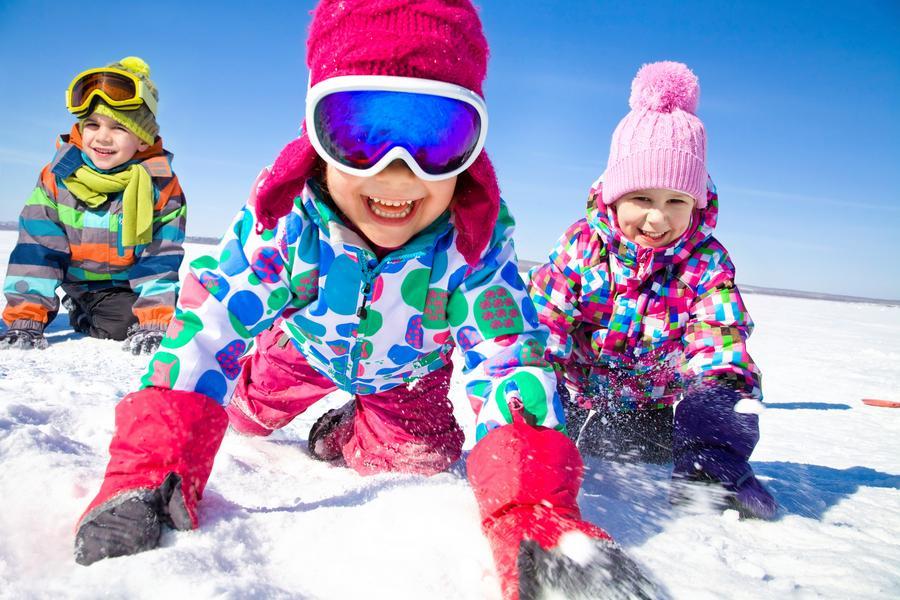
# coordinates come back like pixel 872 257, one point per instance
pixel 64 242
pixel 369 325
pixel 632 327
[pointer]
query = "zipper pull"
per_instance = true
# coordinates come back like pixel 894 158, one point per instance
pixel 367 288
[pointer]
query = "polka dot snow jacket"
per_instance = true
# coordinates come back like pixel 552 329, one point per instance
pixel 368 325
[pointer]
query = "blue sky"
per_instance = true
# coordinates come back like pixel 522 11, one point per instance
pixel 801 102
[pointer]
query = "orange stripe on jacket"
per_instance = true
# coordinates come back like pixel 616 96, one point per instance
pixel 157 166
pixel 172 189
pixel 48 179
pixel 102 253
pixel 154 314
pixel 29 311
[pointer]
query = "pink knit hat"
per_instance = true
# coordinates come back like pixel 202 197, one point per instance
pixel 661 143
pixel 428 39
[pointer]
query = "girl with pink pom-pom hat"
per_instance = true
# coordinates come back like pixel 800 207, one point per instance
pixel 648 331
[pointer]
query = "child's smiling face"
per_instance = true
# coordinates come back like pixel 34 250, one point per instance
pixel 392 206
pixel 654 218
pixel 107 142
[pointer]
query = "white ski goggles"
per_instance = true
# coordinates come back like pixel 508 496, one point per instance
pixel 361 123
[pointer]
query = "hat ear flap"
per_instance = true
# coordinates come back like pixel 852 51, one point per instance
pixel 295 164
pixel 475 209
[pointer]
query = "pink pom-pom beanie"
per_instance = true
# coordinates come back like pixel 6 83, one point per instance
pixel 661 143
pixel 428 39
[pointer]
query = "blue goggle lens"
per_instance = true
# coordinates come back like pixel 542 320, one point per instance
pixel 357 128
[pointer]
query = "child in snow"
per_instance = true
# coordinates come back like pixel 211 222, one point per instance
pixel 380 240
pixel 643 311
pixel 106 221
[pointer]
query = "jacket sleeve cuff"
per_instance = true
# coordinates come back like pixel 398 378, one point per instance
pixel 152 326
pixel 27 324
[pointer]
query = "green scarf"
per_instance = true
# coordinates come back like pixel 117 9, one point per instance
pixel 92 188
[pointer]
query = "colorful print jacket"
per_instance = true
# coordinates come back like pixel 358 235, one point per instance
pixel 368 325
pixel 64 242
pixel 632 327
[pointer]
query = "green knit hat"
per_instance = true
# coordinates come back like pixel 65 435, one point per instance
pixel 140 121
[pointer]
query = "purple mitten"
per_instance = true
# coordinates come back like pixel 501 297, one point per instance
pixel 712 444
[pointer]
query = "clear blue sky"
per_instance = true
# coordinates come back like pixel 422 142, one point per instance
pixel 801 102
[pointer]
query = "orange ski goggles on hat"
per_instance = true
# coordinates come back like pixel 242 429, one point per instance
pixel 120 89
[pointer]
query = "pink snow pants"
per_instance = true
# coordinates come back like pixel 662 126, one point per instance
pixel 406 429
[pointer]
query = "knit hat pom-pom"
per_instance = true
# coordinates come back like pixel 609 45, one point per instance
pixel 665 86
pixel 136 65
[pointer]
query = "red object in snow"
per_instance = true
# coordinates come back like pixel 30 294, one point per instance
pixel 882 403
pixel 526 481
pixel 161 431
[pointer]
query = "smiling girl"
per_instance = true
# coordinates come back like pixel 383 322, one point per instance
pixel 375 247
pixel 648 330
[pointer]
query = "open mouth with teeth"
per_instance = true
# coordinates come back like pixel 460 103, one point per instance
pixel 391 210
pixel 653 236
pixel 103 151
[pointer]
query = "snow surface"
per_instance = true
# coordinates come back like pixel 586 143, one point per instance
pixel 277 524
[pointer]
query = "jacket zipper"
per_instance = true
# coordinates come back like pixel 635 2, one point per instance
pixel 119 246
pixel 368 278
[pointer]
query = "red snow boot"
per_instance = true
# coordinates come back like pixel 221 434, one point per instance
pixel 160 457
pixel 526 480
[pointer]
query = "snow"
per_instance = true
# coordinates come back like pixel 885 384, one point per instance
pixel 277 524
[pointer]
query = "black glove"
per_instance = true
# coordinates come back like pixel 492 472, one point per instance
pixel 143 339
pixel 78 319
pixel 24 339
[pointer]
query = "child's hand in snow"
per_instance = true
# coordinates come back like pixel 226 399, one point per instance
pixel 143 339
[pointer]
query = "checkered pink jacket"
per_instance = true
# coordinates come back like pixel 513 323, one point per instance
pixel 632 327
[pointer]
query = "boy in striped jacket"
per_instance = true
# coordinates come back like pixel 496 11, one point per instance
pixel 647 328
pixel 105 221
